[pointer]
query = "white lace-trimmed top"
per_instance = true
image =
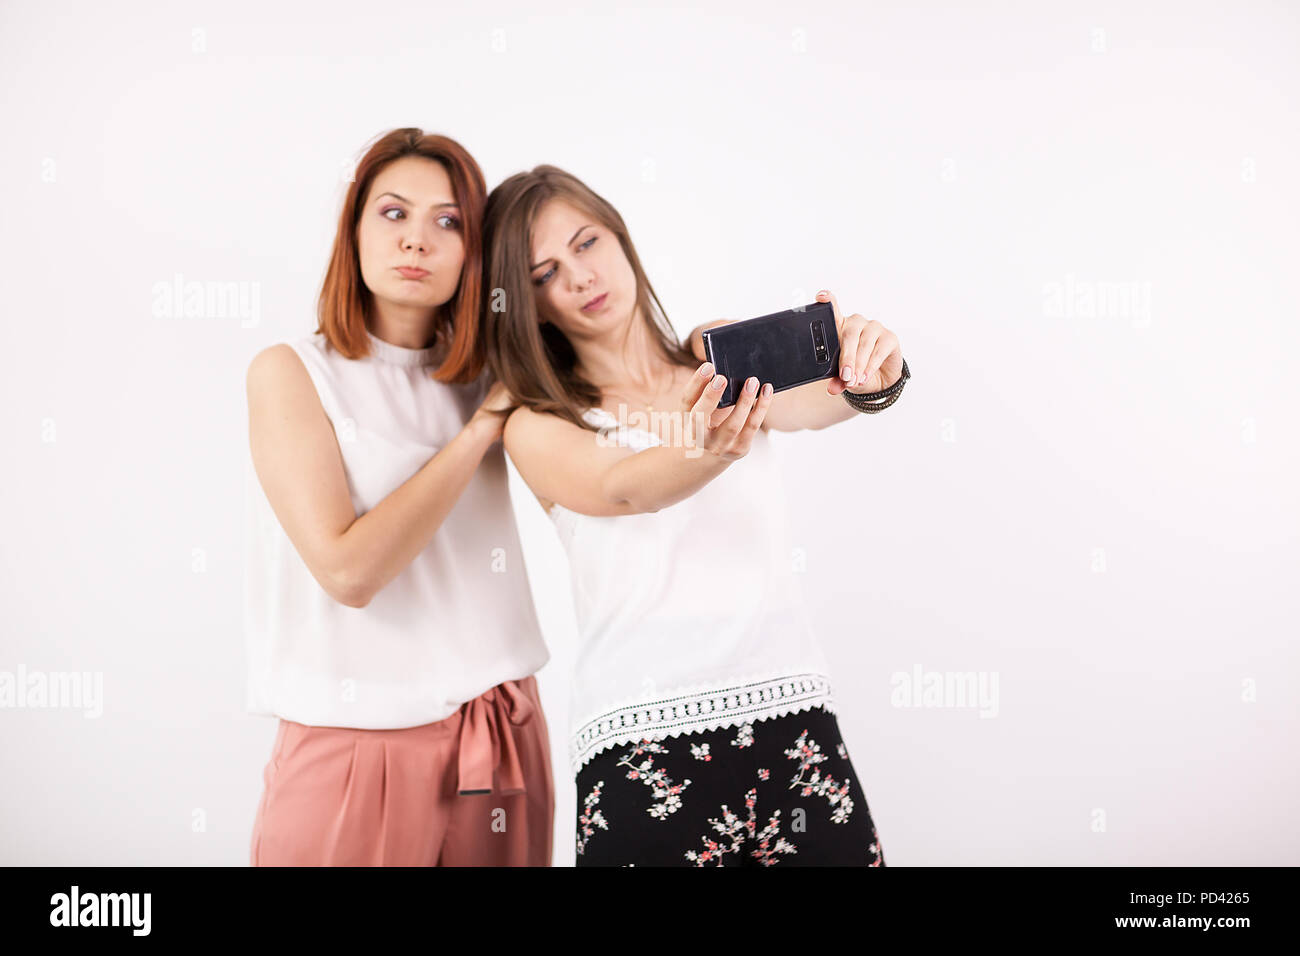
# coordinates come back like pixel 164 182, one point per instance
pixel 690 618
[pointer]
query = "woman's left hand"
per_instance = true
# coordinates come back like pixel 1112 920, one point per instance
pixel 871 358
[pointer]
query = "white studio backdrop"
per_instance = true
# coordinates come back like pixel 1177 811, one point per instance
pixel 1079 218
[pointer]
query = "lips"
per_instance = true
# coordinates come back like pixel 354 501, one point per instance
pixel 595 303
pixel 412 273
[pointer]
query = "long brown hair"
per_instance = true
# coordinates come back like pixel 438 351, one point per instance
pixel 534 361
pixel 344 299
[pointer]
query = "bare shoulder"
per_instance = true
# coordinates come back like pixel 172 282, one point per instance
pixel 277 379
pixel 527 425
pixel 276 365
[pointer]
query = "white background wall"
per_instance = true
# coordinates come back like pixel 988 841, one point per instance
pixel 1098 509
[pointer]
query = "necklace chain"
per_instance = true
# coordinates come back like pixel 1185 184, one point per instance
pixel 648 405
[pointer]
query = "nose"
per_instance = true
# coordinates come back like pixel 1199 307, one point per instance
pixel 417 239
pixel 583 279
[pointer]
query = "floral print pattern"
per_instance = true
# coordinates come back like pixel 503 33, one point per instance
pixel 731 829
pixel 809 755
pixel 768 842
pixel 587 820
pixel 668 795
pixel 752 826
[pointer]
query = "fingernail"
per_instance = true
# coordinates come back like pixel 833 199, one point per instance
pixel 846 373
pixel 767 389
pixel 719 382
pixel 751 386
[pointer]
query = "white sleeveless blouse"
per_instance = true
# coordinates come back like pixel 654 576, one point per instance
pixel 458 620
pixel 690 618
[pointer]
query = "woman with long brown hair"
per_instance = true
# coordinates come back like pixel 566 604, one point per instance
pixel 388 618
pixel 703 728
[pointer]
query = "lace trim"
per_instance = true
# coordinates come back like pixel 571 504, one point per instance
pixel 700 711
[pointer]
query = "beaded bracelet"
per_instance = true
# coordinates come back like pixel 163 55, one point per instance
pixel 873 402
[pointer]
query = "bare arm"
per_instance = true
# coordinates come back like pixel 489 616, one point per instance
pixel 566 464
pixel 298 463
pixel 812 406
pixel 572 467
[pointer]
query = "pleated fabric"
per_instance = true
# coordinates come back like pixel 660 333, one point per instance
pixel 474 789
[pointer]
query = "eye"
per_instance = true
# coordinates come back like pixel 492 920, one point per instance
pixel 543 277
pixel 401 214
pixel 587 243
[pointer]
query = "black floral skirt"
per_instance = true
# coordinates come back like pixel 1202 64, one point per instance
pixel 779 790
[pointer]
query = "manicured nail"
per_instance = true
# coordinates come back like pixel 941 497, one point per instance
pixel 751 385
pixel 846 373
pixel 718 382
pixel 767 390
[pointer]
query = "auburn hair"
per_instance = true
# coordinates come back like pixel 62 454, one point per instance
pixel 536 361
pixel 345 301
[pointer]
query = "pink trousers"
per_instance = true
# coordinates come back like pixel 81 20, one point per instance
pixel 474 789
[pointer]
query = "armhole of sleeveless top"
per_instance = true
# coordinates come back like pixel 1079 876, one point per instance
pixel 310 359
pixel 605 424
pixel 608 423
pixel 598 417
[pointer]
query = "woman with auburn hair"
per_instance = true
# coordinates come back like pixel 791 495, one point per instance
pixel 388 617
pixel 703 726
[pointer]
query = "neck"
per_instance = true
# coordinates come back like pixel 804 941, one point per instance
pixel 407 326
pixel 626 356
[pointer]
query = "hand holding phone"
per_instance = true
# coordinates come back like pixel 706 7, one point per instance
pixel 871 357
pixel 730 437
pixel 787 349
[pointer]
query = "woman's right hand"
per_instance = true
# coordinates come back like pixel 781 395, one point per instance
pixel 726 433
pixel 493 411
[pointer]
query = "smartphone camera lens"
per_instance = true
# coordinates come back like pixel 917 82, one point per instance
pixel 819 341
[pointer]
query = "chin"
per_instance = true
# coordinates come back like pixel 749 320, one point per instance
pixel 410 294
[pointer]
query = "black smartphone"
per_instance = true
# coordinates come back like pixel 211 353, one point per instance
pixel 787 348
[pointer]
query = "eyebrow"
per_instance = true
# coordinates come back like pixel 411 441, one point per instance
pixel 409 203
pixel 570 242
